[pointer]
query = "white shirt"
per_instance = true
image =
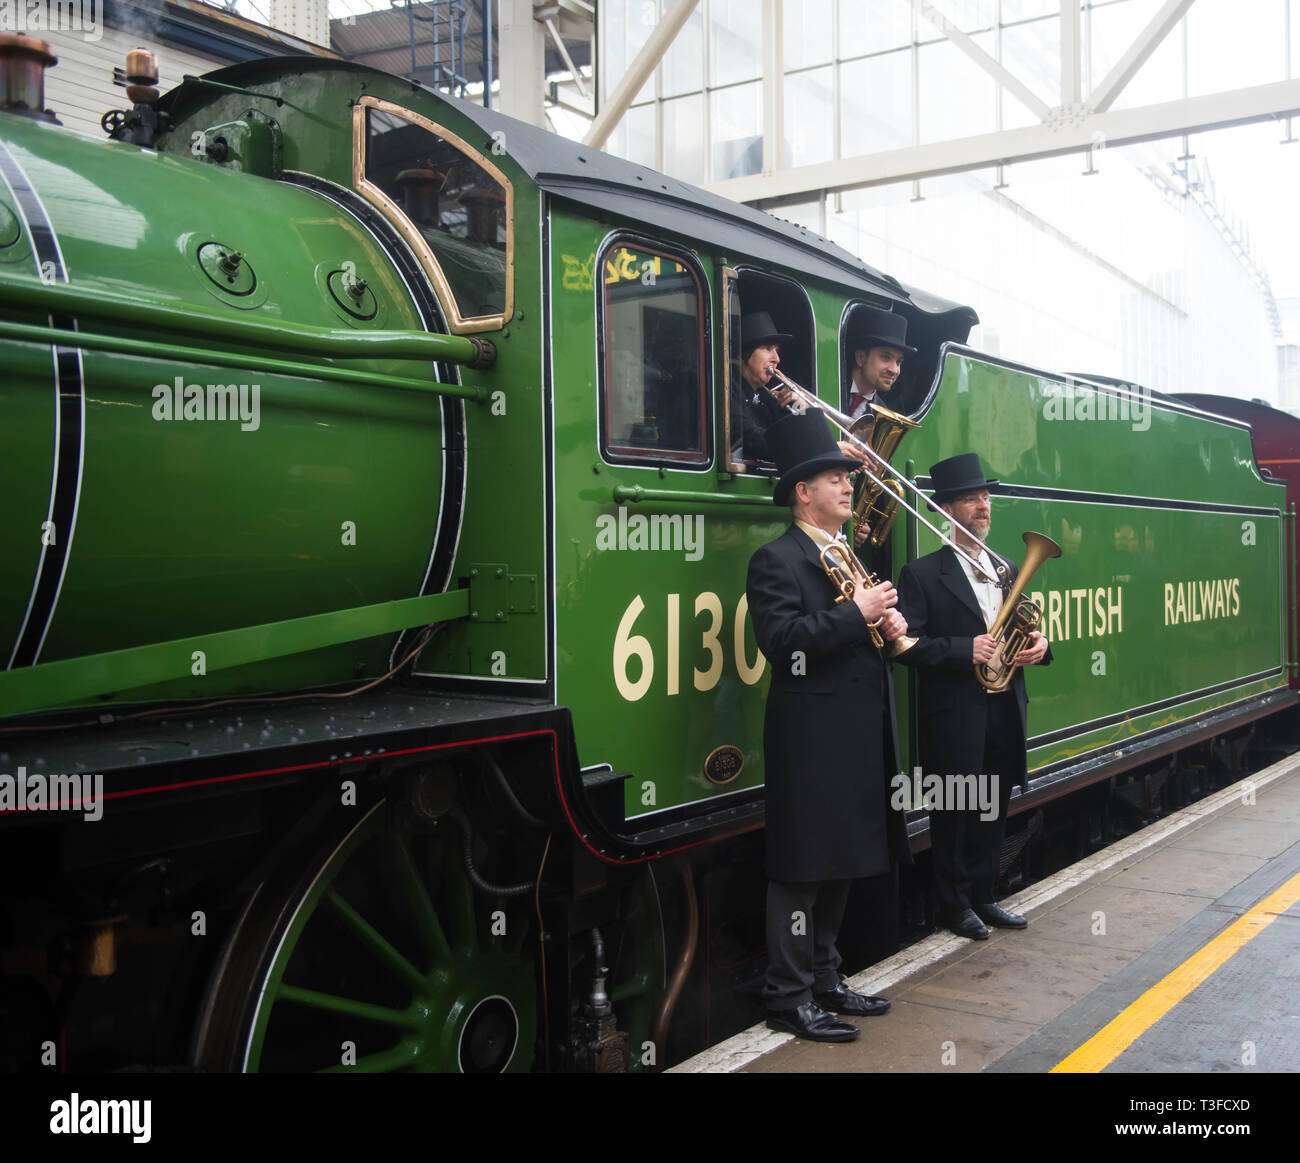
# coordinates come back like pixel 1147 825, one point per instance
pixel 987 594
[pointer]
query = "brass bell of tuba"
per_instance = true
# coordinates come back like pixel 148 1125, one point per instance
pixel 847 573
pixel 877 501
pixel 1016 620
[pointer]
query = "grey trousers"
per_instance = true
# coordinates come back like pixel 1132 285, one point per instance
pixel 803 922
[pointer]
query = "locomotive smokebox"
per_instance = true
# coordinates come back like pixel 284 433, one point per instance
pixel 23 61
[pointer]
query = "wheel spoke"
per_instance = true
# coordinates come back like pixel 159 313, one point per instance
pixel 375 942
pixel 410 888
pixel 348 1006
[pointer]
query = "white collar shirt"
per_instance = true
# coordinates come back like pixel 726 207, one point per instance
pixel 987 594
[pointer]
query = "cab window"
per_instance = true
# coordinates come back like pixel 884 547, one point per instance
pixel 653 385
pixel 450 203
pixel 768 323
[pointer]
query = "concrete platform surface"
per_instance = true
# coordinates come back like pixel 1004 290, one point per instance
pixel 1113 937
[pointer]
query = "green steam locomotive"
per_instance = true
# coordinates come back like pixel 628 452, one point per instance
pixel 379 691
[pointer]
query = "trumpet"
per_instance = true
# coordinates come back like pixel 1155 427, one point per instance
pixel 1001 566
pixel 847 573
pixel 1016 620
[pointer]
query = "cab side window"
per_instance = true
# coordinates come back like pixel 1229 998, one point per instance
pixel 653 379
pixel 768 336
pixel 453 206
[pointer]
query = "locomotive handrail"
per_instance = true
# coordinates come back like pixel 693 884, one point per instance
pixel 634 493
pixel 91 340
pixel 238 328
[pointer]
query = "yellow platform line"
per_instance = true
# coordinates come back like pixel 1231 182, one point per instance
pixel 1112 1040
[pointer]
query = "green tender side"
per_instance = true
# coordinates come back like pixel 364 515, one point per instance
pixel 1158 611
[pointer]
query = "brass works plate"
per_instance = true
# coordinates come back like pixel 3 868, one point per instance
pixel 724 763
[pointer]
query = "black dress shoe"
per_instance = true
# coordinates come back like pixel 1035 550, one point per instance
pixel 843 1000
pixel 967 924
pixel 999 917
pixel 812 1022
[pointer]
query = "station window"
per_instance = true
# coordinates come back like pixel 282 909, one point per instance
pixel 451 204
pixel 654 391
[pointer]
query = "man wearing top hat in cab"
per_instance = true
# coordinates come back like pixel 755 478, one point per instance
pixel 876 345
pixel 964 731
pixel 877 342
pixel 760 355
pixel 829 737
pixel 764 398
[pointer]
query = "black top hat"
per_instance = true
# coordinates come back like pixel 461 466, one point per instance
pixel 757 328
pixel 802 446
pixel 874 328
pixel 958 474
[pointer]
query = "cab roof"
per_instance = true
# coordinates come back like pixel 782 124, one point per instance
pixel 610 185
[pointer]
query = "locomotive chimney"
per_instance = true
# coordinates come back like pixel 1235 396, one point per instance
pixel 23 61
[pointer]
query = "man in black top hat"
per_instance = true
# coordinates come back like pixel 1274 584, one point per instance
pixel 829 737
pixel 765 400
pixel 972 739
pixel 878 340
pixel 760 354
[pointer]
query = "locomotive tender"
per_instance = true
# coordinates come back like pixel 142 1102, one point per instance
pixel 379 692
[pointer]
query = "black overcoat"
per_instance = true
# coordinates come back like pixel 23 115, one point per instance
pixel 829 735
pixel 952 708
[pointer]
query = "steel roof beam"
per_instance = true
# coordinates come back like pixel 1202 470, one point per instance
pixel 1063 132
pixel 564 56
pixel 1071 53
pixel 1007 80
pixel 652 52
pixel 773 86
pixel 1103 96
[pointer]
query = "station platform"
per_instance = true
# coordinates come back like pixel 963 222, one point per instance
pixel 1174 951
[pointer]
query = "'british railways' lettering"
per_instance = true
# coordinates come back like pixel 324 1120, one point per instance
pixel 1200 601
pixel 1081 613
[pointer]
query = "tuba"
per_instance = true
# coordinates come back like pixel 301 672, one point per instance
pixel 1016 620
pixel 878 501
pixel 847 573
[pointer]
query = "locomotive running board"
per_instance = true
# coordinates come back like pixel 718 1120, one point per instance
pixel 51 685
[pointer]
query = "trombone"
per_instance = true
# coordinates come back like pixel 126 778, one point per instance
pixel 1000 565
